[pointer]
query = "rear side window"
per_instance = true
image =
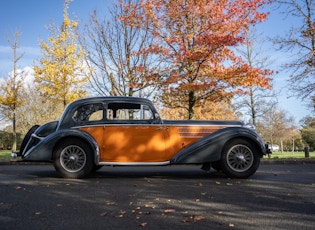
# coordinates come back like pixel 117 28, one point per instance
pixel 89 112
pixel 129 111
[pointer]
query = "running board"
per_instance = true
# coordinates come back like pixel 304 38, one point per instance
pixel 135 163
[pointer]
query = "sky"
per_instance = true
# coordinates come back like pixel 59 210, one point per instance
pixel 30 17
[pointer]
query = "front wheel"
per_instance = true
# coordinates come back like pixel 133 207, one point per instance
pixel 239 159
pixel 73 159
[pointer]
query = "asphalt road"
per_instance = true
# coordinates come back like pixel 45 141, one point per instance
pixel 172 197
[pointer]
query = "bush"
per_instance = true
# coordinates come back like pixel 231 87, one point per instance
pixel 6 140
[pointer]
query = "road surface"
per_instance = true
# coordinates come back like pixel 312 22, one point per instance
pixel 170 197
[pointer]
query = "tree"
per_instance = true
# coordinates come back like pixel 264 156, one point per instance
pixel 10 93
pixel 195 41
pixel 209 111
pixel 300 43
pixel 60 73
pixel 37 110
pixel 114 53
pixel 308 131
pixel 276 127
pixel 258 97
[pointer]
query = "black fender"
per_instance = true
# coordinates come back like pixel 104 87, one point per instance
pixel 209 148
pixel 42 131
pixel 43 150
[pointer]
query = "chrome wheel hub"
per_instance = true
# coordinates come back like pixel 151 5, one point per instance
pixel 240 158
pixel 73 158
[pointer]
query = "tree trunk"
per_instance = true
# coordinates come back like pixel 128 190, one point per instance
pixel 253 106
pixel 14 132
pixel 191 104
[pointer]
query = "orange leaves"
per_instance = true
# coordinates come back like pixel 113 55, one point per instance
pixel 196 39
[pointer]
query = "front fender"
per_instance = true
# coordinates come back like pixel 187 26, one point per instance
pixel 43 150
pixel 209 148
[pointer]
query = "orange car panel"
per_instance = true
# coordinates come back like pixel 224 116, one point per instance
pixel 144 143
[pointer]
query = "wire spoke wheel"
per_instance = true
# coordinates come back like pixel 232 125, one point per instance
pixel 240 158
pixel 73 158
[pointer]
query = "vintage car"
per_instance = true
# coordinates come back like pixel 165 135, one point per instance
pixel 128 131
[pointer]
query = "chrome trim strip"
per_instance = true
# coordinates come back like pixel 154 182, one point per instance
pixel 135 163
pixel 37 137
pixel 194 132
pixel 153 125
pixel 192 137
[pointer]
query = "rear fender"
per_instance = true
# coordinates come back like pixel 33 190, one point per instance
pixel 41 132
pixel 209 148
pixel 43 150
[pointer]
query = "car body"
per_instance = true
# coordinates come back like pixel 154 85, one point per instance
pixel 128 131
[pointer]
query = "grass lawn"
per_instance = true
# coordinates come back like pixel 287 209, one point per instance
pixel 5 155
pixel 289 155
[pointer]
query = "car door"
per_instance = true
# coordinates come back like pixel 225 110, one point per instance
pixel 130 136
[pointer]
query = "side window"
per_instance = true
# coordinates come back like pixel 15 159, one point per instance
pixel 129 111
pixel 90 112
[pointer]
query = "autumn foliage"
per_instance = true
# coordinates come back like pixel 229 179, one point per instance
pixel 61 74
pixel 196 41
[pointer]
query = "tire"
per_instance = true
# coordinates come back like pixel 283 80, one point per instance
pixel 73 159
pixel 27 138
pixel 216 165
pixel 239 159
pixel 97 167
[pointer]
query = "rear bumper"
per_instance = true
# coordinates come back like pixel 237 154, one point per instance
pixel 14 155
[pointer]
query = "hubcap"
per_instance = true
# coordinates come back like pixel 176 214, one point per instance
pixel 240 158
pixel 73 158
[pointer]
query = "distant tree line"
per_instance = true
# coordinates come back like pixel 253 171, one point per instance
pixel 6 140
pixel 174 52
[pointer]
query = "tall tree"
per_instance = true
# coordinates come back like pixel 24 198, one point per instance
pixel 300 43
pixel 195 39
pixel 114 53
pixel 60 73
pixel 209 111
pixel 10 92
pixel 258 97
pixel 37 110
pixel 308 131
pixel 275 126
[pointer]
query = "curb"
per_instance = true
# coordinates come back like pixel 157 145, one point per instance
pixel 288 161
pixel 20 162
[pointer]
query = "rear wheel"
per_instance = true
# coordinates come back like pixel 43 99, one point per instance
pixel 239 159
pixel 73 159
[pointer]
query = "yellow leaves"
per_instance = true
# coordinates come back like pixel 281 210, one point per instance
pixel 10 92
pixel 66 22
pixel 60 72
